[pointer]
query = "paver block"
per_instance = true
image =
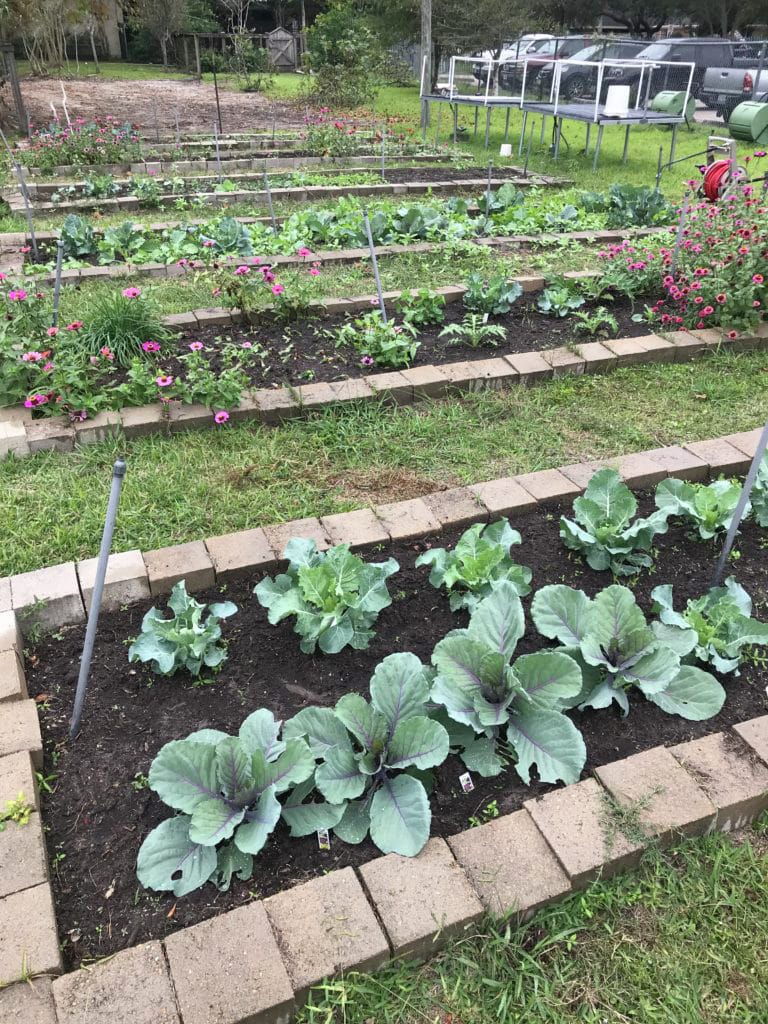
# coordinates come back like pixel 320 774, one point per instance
pixel 638 470
pixel 359 529
pixel 17 775
pixel 504 497
pixel 393 386
pixel 710 337
pixel 29 943
pixel 458 506
pixel 687 345
pixel 580 473
pixel 564 362
pixel 479 374
pixel 228 970
pixel 755 733
pixel 657 349
pixel 126 581
pixel 144 420
pixel 577 824
pixel 627 350
pixel 98 428
pixel 189 562
pixel 213 317
pixel 6 600
pixel 10 634
pixel 13 680
pixel 13 439
pixel 237 556
pixel 48 598
pixel 666 798
pixel 426 381
pixel 189 417
pixel 548 486
pixel 532 367
pixel 50 435
pixel 20 730
pixel 422 900
pixel 351 390
pixel 679 463
pixel 720 456
pixel 407 520
pixel 23 858
pixel 597 358
pixel 314 396
pixel 275 404
pixel 311 528
pixel 28 1002
pixel 746 441
pixel 530 282
pixel 131 988
pixel 510 864
pixel 326 926
pixel 731 775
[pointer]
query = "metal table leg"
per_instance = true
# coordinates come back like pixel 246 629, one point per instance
pixel 455 108
pixel 597 147
pixel 477 114
pixel 673 143
pixel 626 144
pixel 506 126
pixel 487 126
pixel 522 133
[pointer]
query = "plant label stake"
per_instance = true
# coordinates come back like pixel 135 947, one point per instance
pixel 680 229
pixel 218 150
pixel 383 152
pixel 374 261
pixel 738 514
pixel 57 283
pixel 118 474
pixel 488 190
pixel 24 193
pixel 270 205
pixel 528 150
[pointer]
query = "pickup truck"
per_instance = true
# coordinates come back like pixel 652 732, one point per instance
pixel 703 53
pixel 725 88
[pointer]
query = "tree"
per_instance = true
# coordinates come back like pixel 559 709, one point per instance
pixel 163 19
pixel 640 17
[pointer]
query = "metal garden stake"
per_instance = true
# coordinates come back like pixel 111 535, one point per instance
pixel 488 189
pixel 270 205
pixel 680 229
pixel 218 150
pixel 374 261
pixel 118 473
pixel 528 150
pixel 383 152
pixel 24 193
pixel 738 514
pixel 57 283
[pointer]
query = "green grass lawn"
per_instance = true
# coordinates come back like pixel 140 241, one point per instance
pixel 215 481
pixel 681 941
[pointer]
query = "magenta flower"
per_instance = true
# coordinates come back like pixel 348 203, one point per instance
pixel 221 417
pixel 75 325
pixel 314 272
pixel 48 368
pixel 52 332
pixel 164 380
pixel 131 293
pixel 242 270
pixel 32 357
pixel 107 353
pixel 247 344
pixel 35 400
pixel 196 346
pixel 303 251
pixel 367 361
pixel 17 296
pixel 151 346
pixel 277 289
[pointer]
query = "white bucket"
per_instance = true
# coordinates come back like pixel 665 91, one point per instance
pixel 617 101
pixel 505 149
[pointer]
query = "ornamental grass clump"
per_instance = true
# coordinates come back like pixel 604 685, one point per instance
pixel 121 321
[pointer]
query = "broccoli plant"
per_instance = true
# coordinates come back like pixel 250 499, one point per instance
pixel 376 756
pixel 722 620
pixel 759 495
pixel 617 650
pixel 559 299
pixel 188 640
pixel 604 530
pixel 335 596
pixel 708 507
pixel 479 688
pixel 480 560
pixel 492 295
pixel 226 790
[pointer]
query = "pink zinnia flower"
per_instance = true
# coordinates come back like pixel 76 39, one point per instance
pixel 32 357
pixel 195 346
pixel 247 344
pixel 164 380
pixel 243 270
pixel 303 252
pixel 151 346
pixel 17 296
pixel 707 311
pixel 757 279
pixel 314 272
pixel 221 417
pixel 367 361
pixel 107 353
pixel 52 332
pixel 48 368
pixel 732 334
pixel 75 325
pixel 34 400
pixel 277 289
pixel 131 293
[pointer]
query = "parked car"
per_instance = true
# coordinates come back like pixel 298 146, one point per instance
pixel 725 88
pixel 511 75
pixel 704 53
pixel 517 48
pixel 579 82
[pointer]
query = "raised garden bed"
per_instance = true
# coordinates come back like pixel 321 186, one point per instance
pixel 100 812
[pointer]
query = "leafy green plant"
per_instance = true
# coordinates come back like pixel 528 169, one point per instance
pixel 335 596
pixel 147 189
pixel 384 343
pixel 121 322
pixel 228 235
pixel 599 321
pixel 759 496
pixel 479 562
pixel 124 243
pixel 603 529
pixel 188 640
pixel 17 810
pixel 722 620
pixel 377 756
pixel 559 299
pixel 491 295
pixel 77 236
pixel 629 206
pixel 226 789
pixel 474 330
pixel 479 688
pixel 708 507
pixel 618 651
pixel 421 308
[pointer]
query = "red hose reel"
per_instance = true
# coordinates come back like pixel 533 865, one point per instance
pixel 718 177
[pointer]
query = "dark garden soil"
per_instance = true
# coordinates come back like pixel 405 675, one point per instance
pixel 100 809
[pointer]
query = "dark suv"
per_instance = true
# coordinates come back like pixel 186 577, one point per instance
pixel 703 53
pixel 511 75
pixel 578 83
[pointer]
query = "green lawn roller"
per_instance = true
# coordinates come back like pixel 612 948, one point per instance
pixel 671 102
pixel 749 122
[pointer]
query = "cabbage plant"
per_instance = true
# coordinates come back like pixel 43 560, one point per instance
pixel 335 596
pixel 604 529
pixel 226 789
pixel 375 755
pixel 759 495
pixel 618 651
pixel 722 620
pixel 708 507
pixel 480 560
pixel 188 640
pixel 479 686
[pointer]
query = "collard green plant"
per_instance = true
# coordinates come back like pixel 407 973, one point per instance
pixel 376 756
pixel 759 495
pixel 629 206
pixel 559 299
pixel 479 687
pixel 708 507
pixel 618 651
pixel 226 789
pixel 335 596
pixel 229 236
pixel 604 529
pixel 188 640
pixel 491 295
pixel 722 620
pixel 77 236
pixel 479 562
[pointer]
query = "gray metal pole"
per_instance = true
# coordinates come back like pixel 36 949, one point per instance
pixel 24 193
pixel 157 126
pixel 680 229
pixel 269 203
pixel 383 153
pixel 659 167
pixel 488 190
pixel 218 150
pixel 57 283
pixel 528 151
pixel 738 514
pixel 377 279
pixel 216 93
pixel 118 473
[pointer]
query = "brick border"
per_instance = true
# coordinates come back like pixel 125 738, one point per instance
pixel 356 918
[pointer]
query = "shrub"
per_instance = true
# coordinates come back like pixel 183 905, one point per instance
pixel 345 56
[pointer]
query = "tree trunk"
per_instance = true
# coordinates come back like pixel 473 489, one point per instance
pixel 426 54
pixel 93 50
pixel 164 50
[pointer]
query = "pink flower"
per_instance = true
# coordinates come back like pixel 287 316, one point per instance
pixel 75 325
pixel 707 311
pixel 164 380
pixel 151 346
pixel 303 251
pixel 35 400
pixel 247 344
pixel 757 278
pixel 243 270
pixel 221 417
pixel 25 248
pixel 48 368
pixel 17 296
pixel 2 276
pixel 52 332
pixel 107 353
pixel 32 357
pixel 208 243
pixel 314 272
pixel 131 293
pixel 732 334
pixel 196 346
pixel 277 289
pixel 367 361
